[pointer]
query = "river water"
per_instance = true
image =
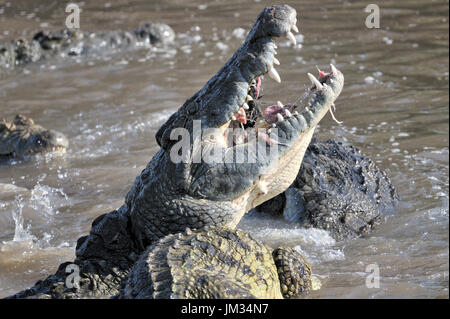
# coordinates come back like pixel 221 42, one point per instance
pixel 395 107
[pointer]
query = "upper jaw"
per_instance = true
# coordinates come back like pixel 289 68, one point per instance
pixel 255 58
pixel 222 96
pixel 227 93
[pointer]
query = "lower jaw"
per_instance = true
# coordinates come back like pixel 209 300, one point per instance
pixel 59 150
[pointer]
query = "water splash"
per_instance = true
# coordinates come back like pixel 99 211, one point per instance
pixel 20 232
pixel 41 205
pixel 47 199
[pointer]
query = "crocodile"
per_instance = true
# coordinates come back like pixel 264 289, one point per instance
pixel 216 263
pixel 338 189
pixel 209 179
pixel 21 137
pixel 74 42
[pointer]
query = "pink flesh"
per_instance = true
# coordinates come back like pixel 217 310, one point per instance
pixel 321 73
pixel 270 113
pixel 258 86
pixel 241 117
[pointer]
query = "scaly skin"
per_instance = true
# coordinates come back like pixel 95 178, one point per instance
pixel 170 196
pixel 216 263
pixel 21 137
pixel 47 44
pixel 337 189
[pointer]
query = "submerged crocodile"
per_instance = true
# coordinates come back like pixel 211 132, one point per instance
pixel 203 180
pixel 68 42
pixel 216 263
pixel 337 189
pixel 21 137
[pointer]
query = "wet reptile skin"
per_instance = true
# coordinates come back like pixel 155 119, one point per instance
pixel 216 263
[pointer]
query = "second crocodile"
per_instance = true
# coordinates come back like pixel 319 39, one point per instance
pixel 22 137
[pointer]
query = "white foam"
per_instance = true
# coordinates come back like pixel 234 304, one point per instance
pixel 305 236
pixel 387 40
pixel 333 254
pixel 239 33
pixel 369 80
pixel 222 46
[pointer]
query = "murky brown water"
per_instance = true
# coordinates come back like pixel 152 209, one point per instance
pixel 395 107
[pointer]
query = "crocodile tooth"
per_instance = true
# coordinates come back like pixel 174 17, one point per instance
pixel 275 52
pixel 306 109
pixel 315 81
pixel 291 37
pixel 279 117
pixel 280 104
pixel 275 61
pixel 275 46
pixel 288 114
pixel 245 106
pixel 269 130
pixel 294 27
pixel 273 74
pixel 274 125
pixel 263 187
pixel 249 98
pixel 334 70
pixel 331 81
pixel 296 113
pixel 233 118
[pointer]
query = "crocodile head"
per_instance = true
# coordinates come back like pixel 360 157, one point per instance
pixel 243 155
pixel 22 136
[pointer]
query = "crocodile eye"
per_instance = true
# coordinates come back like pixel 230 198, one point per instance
pixel 39 141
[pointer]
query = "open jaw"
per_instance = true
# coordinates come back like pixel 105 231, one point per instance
pixel 263 159
pixel 324 91
pixel 230 98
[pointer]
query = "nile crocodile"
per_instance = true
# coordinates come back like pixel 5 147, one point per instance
pixel 21 137
pixel 216 263
pixel 337 189
pixel 73 42
pixel 207 179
